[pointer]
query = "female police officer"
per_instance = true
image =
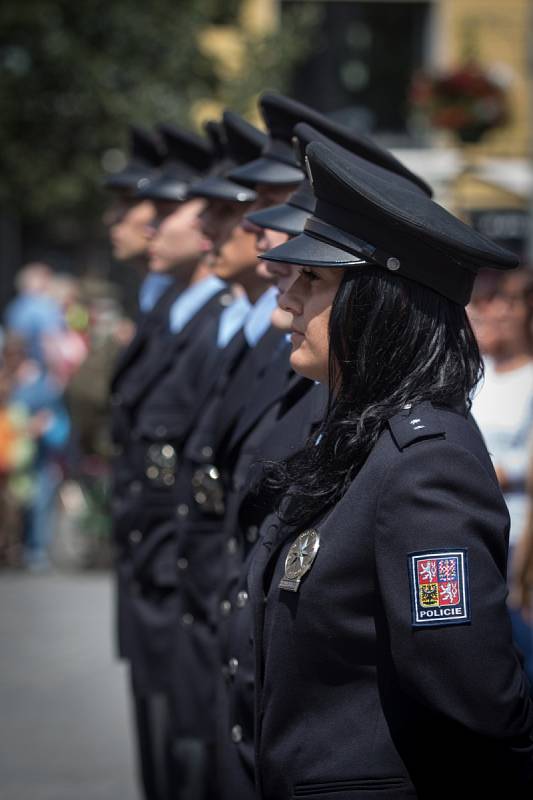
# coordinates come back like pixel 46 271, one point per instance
pixel 384 660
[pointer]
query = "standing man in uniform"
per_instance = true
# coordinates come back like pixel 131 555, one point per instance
pixel 159 293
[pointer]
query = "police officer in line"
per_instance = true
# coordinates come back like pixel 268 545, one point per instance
pixel 133 512
pixel 271 429
pixel 219 439
pixel 128 220
pixel 215 445
pixel 162 407
pixel 383 650
pixel 128 215
pixel 198 487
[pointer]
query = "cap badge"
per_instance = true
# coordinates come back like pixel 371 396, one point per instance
pixel 393 264
pixel 308 169
pixel 299 559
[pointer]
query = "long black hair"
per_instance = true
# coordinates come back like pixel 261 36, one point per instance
pixel 392 342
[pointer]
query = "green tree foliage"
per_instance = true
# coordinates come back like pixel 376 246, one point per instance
pixel 74 74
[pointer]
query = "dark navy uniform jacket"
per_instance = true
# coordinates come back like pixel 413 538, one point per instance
pixel 277 436
pixel 391 670
pixel 160 408
pixel 200 530
pixel 152 327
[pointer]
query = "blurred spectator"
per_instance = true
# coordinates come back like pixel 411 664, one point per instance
pixel 36 400
pixel 501 314
pixel 66 348
pixel 88 390
pixel 16 456
pixel 34 313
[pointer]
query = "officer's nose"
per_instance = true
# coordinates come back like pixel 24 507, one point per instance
pixel 152 227
pixel 251 227
pixel 204 222
pixel 288 299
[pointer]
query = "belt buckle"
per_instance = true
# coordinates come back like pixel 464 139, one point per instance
pixel 160 464
pixel 208 491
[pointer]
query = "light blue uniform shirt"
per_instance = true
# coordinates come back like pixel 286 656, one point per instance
pixel 191 300
pixel 232 319
pixel 151 290
pixel 258 320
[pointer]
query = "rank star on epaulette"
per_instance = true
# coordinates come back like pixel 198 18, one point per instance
pixel 439 587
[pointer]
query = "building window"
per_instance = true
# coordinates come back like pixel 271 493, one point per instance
pixel 361 60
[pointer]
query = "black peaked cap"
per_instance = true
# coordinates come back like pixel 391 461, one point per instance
pixel 243 142
pixel 188 156
pixel 186 147
pixel 146 153
pixel 290 217
pixel 216 135
pixel 358 144
pixel 277 164
pixel 363 218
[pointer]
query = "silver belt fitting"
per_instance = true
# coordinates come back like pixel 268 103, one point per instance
pixel 160 464
pixel 208 490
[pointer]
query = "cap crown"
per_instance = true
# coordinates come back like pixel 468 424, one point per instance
pixel 364 149
pixel 422 240
pixel 186 148
pixel 216 135
pixel 281 114
pixel 244 141
pixel 339 182
pixel 146 147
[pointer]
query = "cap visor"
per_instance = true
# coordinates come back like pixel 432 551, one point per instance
pixel 267 171
pixel 127 180
pixel 163 189
pixel 222 189
pixel 306 251
pixel 285 218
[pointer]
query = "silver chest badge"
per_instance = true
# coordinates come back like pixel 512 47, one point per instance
pixel 299 559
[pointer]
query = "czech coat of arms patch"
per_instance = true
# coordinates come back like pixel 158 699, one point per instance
pixel 439 587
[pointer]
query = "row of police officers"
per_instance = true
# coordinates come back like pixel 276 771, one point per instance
pixel 310 539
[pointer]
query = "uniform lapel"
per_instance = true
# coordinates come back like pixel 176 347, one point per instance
pixel 129 353
pixel 270 388
pixel 168 349
pixel 249 371
pixel 145 326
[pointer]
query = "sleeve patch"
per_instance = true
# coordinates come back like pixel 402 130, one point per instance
pixel 440 591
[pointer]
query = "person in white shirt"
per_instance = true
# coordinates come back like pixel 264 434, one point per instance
pixel 501 314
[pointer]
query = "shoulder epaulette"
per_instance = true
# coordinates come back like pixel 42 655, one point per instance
pixel 415 423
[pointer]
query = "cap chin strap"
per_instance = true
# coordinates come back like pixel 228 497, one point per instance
pixel 353 244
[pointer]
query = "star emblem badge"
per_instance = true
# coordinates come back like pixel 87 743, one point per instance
pixel 299 559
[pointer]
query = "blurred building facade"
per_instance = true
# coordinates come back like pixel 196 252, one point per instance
pixel 360 63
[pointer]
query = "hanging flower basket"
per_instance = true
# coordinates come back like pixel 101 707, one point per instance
pixel 467 101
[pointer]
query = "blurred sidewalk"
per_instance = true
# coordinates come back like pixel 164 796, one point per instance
pixel 64 720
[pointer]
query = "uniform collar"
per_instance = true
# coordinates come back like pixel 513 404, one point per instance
pixel 191 300
pixel 258 320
